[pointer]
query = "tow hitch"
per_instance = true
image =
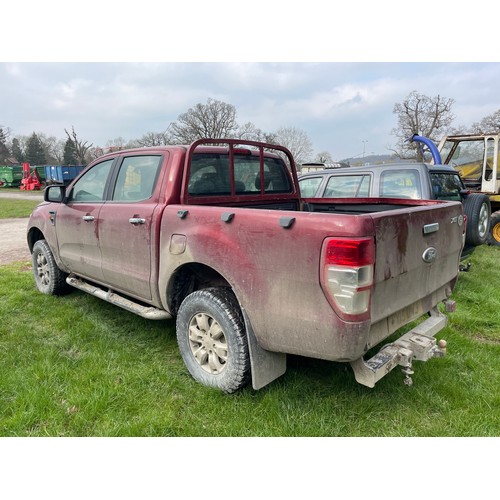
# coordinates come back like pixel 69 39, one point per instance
pixel 419 343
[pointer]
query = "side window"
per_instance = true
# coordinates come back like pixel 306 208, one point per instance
pixel 137 178
pixel 308 187
pixel 90 187
pixel 400 184
pixel 489 159
pixel 348 186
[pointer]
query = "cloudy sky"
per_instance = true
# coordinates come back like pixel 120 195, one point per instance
pixel 339 105
pixel 345 106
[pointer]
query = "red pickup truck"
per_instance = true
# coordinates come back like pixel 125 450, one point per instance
pixel 217 235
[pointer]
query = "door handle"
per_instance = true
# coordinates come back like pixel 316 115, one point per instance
pixel 88 218
pixel 137 220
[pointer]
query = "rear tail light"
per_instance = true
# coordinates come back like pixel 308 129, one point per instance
pixel 347 276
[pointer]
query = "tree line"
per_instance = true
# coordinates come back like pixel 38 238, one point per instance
pixel 417 114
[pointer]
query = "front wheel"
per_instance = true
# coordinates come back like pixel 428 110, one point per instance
pixel 477 208
pixel 49 278
pixel 212 339
pixel 494 235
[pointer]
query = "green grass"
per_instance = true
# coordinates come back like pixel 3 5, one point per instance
pixel 18 190
pixel 77 366
pixel 10 208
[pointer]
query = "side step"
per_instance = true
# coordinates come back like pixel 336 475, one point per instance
pixel 419 343
pixel 148 312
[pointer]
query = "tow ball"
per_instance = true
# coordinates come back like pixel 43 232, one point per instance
pixel 437 351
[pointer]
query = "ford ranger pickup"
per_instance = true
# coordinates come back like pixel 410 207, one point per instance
pixel 218 236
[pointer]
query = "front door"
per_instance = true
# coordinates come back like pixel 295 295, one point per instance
pixel 77 223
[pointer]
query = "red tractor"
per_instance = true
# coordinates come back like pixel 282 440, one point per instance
pixel 31 179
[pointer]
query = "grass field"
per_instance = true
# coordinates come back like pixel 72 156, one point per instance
pixel 77 366
pixel 16 208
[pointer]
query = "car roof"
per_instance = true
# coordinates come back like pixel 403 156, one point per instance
pixel 385 166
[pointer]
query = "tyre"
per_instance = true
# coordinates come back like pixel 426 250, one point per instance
pixel 477 208
pixel 49 278
pixel 494 234
pixel 212 339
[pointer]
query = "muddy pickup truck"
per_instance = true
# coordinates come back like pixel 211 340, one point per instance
pixel 217 235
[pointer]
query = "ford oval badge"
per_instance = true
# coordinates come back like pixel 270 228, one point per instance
pixel 429 255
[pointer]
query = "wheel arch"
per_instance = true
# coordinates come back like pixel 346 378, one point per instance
pixel 189 278
pixel 266 366
pixel 34 235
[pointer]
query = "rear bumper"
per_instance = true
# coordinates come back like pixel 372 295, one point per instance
pixel 418 344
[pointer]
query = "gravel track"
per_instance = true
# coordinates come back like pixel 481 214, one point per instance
pixel 13 244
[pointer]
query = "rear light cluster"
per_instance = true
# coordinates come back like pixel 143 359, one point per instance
pixel 347 275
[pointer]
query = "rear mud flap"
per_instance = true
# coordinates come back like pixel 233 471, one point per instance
pixel 419 343
pixel 266 366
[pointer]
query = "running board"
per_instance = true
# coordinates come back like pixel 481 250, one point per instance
pixel 148 312
pixel 419 343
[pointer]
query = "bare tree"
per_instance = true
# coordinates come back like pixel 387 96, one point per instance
pixel 324 157
pixel 297 141
pixel 53 147
pixel 81 147
pixel 155 139
pixel 213 119
pixel 120 143
pixel 422 115
pixel 250 132
pixel 489 124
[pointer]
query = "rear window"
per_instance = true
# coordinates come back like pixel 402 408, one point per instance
pixel 446 186
pixel 348 186
pixel 210 175
pixel 400 184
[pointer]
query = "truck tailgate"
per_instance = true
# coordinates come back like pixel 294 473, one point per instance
pixel 417 253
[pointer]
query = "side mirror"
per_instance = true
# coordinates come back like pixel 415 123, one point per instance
pixel 54 194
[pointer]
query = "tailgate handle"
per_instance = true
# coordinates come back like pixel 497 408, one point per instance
pixel 431 228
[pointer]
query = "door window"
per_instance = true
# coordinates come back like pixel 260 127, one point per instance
pixel 137 178
pixel 90 187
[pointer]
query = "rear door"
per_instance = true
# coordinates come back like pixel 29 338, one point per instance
pixel 127 230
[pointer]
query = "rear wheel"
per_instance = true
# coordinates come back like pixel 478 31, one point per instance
pixel 49 278
pixel 212 339
pixel 494 234
pixel 478 210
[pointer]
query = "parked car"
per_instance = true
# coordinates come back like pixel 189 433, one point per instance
pixel 407 180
